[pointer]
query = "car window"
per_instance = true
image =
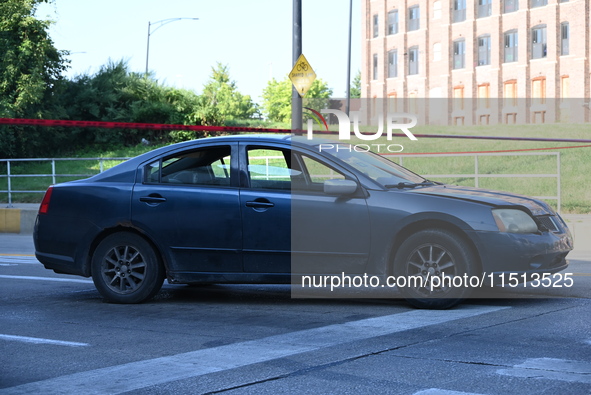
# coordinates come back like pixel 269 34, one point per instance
pixel 269 168
pixel 284 169
pixel 208 166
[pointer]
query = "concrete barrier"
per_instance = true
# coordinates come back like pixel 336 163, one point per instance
pixel 20 218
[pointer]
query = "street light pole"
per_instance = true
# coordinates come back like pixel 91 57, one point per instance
pixel 150 32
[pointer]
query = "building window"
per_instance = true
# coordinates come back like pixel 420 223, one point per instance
pixel 538 86
pixel 538 3
pixel 376 26
pixel 414 18
pixel 564 35
pixel 458 98
pixel 412 102
pixel 483 96
pixel 510 6
pixel 375 66
pixel 564 87
pixel 483 50
pixel 413 61
pixel 511 46
pixel 459 11
pixel 484 8
pixel 392 102
pixel 538 41
pixel 393 22
pixel 436 52
pixel 437 9
pixel 459 54
pixel 510 93
pixel 392 63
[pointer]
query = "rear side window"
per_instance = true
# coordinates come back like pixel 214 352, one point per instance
pixel 208 166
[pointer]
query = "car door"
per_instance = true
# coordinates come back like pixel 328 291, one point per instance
pixel 189 203
pixel 289 224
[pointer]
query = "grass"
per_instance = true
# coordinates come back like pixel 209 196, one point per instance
pixel 574 162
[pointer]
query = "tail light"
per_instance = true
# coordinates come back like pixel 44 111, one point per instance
pixel 44 208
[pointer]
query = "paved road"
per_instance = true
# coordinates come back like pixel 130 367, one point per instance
pixel 58 336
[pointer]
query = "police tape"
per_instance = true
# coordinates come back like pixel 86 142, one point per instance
pixel 240 129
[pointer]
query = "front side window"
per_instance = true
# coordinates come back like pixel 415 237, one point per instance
pixel 208 166
pixel 538 41
pixel 392 63
pixel 393 22
pixel 459 54
pixel 413 61
pixel 414 18
pixel 284 169
pixel 510 39
pixel 374 166
pixel 459 11
pixel 483 50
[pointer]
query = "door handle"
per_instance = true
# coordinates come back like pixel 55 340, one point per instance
pixel 257 204
pixel 153 199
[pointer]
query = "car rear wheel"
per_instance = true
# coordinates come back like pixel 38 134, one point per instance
pixel 126 269
pixel 432 263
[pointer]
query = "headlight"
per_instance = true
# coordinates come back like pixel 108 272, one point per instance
pixel 514 221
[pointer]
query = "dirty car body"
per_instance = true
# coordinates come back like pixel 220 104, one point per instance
pixel 261 209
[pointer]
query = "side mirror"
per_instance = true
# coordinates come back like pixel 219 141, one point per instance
pixel 340 187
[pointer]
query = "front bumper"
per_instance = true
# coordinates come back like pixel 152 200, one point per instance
pixel 544 252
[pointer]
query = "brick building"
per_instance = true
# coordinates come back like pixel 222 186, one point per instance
pixel 477 61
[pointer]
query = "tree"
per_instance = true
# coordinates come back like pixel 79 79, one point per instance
pixel 277 98
pixel 355 91
pixel 30 75
pixel 221 101
pixel 30 66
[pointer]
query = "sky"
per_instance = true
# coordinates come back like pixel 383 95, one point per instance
pixel 253 38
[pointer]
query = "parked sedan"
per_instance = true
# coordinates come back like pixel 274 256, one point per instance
pixel 282 209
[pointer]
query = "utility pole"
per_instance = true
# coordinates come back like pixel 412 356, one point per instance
pixel 296 99
pixel 348 105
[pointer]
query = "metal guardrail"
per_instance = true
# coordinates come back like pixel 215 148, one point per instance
pixel 477 175
pixel 53 174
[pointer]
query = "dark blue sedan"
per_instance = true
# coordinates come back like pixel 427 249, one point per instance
pixel 282 209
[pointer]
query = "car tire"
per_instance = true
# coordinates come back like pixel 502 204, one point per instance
pixel 126 269
pixel 434 253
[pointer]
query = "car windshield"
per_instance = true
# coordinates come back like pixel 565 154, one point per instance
pixel 374 166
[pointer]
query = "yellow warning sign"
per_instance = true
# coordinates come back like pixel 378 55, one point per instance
pixel 302 76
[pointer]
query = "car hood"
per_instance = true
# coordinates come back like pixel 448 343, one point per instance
pixel 486 196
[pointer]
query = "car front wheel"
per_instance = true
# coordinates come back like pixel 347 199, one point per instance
pixel 436 266
pixel 126 269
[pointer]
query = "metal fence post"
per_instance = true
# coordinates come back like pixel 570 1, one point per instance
pixel 53 171
pixel 559 191
pixel 476 171
pixel 9 187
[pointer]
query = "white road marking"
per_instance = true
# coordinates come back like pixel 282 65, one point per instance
pixel 439 391
pixel 58 279
pixel 117 379
pixel 27 259
pixel 552 369
pixel 37 340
